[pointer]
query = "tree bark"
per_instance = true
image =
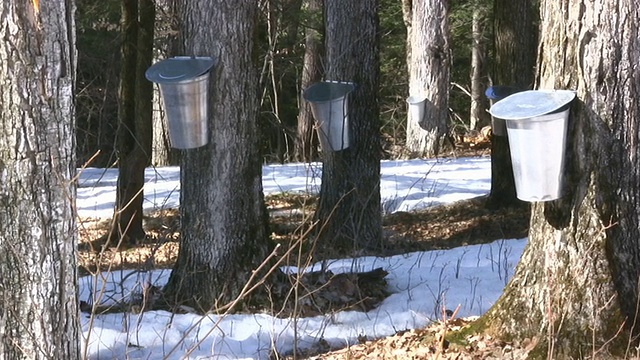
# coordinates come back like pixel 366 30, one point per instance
pixel 349 212
pixel 134 125
pixel 514 63
pixel 429 70
pixel 38 278
pixel 223 216
pixel 166 45
pixel 306 143
pixel 478 115
pixel 576 287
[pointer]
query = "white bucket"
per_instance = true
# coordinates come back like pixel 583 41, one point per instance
pixel 416 109
pixel 537 122
pixel 184 85
pixel 537 152
pixel 329 105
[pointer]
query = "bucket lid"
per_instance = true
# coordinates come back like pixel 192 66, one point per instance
pixel 531 103
pixel 498 92
pixel 177 69
pixel 328 91
pixel 416 99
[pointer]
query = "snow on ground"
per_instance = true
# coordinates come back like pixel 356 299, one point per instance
pixel 421 282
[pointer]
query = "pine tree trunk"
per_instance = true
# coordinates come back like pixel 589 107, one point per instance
pixel 515 35
pixel 223 216
pixel 38 278
pixel 349 211
pixel 429 76
pixel 306 143
pixel 576 287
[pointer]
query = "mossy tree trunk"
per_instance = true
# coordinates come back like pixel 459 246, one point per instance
pixel 223 216
pixel 515 49
pixel 38 269
pixel 349 211
pixel 576 287
pixel 429 68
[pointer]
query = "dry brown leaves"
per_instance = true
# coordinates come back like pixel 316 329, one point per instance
pixel 428 344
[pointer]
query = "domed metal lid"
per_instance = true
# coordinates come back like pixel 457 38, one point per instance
pixel 178 69
pixel 531 103
pixel 327 91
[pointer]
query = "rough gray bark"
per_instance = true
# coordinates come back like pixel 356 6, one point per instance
pixel 429 70
pixel 306 143
pixel 515 48
pixel 38 278
pixel 576 287
pixel 223 216
pixel 349 213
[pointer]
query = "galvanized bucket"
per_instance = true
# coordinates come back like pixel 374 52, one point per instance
pixel 495 94
pixel 329 106
pixel 536 123
pixel 184 85
pixel 416 107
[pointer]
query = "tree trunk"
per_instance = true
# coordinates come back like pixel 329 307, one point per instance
pixel 223 216
pixel 515 42
pixel 349 212
pixel 576 287
pixel 306 143
pixel 478 115
pixel 38 278
pixel 429 76
pixel 166 45
pixel 134 126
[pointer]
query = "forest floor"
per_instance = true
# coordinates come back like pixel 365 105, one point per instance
pixel 462 223
pixel 442 227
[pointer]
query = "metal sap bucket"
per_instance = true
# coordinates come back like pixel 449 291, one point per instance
pixel 329 106
pixel 184 85
pixel 416 109
pixel 495 94
pixel 536 123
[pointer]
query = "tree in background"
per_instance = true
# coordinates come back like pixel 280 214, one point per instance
pixel 515 48
pixel 349 213
pixel 429 67
pixel 478 115
pixel 166 44
pixel 98 45
pixel 38 276
pixel 306 142
pixel 134 115
pixel 576 287
pixel 223 216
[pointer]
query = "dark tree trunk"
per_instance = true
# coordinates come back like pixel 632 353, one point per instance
pixel 429 70
pixel 576 287
pixel 223 216
pixel 134 127
pixel 349 211
pixel 306 143
pixel 515 42
pixel 38 278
